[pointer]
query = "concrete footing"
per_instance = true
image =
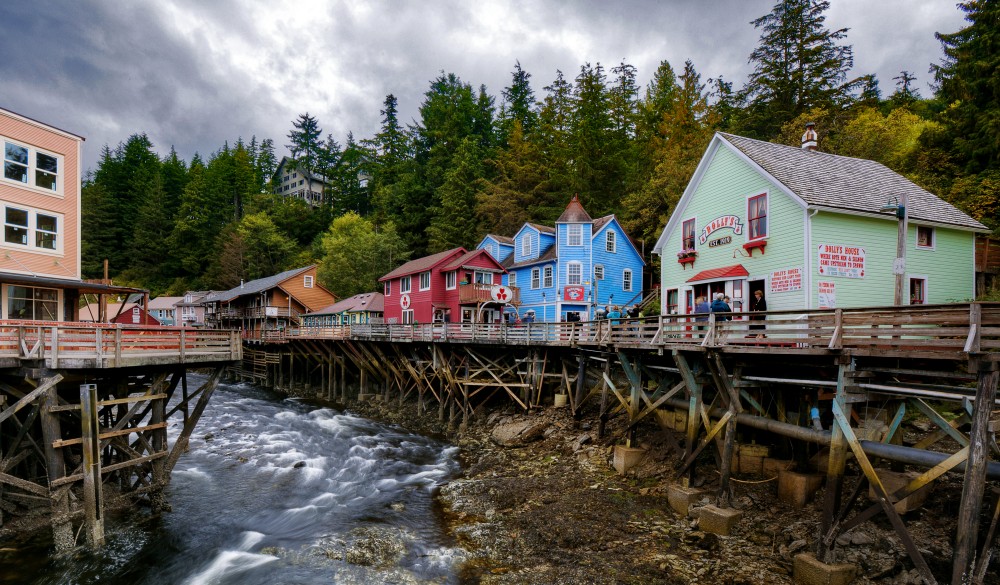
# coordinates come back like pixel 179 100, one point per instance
pixel 718 520
pixel 681 498
pixel 810 571
pixel 627 457
pixel 797 489
pixel 892 481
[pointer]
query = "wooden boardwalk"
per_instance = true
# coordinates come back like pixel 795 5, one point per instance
pixel 84 414
pixel 719 383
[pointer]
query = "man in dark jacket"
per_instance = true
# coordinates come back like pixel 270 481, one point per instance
pixel 720 306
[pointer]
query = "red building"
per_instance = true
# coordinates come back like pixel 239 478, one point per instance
pixel 448 287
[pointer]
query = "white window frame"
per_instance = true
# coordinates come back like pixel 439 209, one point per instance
pixel 407 316
pixel 574 273
pixel 425 280
pixel 547 276
pixel 610 243
pixel 388 288
pixel 598 272
pixel 627 280
pixel 450 280
pixel 308 281
pixel 916 237
pixel 31 168
pixel 405 285
pixel 32 229
pixel 536 278
pixel 574 234
pixel 512 279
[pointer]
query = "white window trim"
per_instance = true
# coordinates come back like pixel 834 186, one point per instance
pixel 407 316
pixel 630 280
pixel 536 278
pixel 409 285
pixel 927 288
pixel 388 288
pixel 420 281
pixel 32 167
pixel 580 273
pixel 450 280
pixel 547 277
pixel 526 245
pixel 746 223
pixel 599 267
pixel 610 242
pixel 308 281
pixel 512 279
pixel 917 239
pixel 578 229
pixel 32 229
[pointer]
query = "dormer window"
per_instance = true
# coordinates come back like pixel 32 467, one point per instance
pixel 526 245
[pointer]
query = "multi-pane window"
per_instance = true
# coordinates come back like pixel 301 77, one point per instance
pixel 599 272
pixel 512 279
pixel 46 231
pixel 535 273
pixel 925 236
pixel 38 304
pixel 425 280
pixel 449 279
pixel 757 216
pixel 15 226
pixel 526 245
pixel 574 235
pixel 404 284
pixel 407 316
pixel 388 287
pixel 687 235
pixel 547 277
pixel 918 291
pixel 609 241
pixel 307 281
pixel 627 280
pixel 30 167
pixel 574 273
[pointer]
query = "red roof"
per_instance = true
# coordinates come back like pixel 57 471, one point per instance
pixel 423 264
pixel 461 261
pixel 734 271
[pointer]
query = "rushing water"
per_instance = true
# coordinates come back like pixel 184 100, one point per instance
pixel 275 491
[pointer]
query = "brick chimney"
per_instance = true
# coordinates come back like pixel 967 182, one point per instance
pixel 809 136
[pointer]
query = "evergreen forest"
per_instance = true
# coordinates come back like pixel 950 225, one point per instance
pixel 475 162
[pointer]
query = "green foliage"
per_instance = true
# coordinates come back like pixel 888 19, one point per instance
pixel 356 254
pixel 251 249
pixel 305 141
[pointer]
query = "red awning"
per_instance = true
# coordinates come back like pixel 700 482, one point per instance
pixel 734 271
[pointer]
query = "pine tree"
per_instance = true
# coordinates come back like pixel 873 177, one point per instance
pixel 516 188
pixel 454 221
pixel 305 141
pixel 553 139
pixel 905 93
pixel 798 64
pixel 518 103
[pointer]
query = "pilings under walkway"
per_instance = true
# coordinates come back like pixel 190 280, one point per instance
pixel 736 405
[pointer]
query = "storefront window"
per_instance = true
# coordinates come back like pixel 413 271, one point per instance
pixel 37 304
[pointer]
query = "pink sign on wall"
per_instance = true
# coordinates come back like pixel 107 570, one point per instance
pixel 841 260
pixel 786 280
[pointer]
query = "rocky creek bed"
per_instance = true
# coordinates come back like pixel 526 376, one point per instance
pixel 539 502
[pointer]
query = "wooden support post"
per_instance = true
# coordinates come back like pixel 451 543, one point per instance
pixel 724 497
pixel 62 526
pixel 836 464
pixel 604 400
pixel 975 474
pixel 635 385
pixel 694 406
pixel 581 374
pixel 93 505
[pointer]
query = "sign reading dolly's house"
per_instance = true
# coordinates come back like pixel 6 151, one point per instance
pixel 724 221
pixel 841 260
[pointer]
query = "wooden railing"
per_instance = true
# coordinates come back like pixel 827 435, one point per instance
pixel 940 329
pixel 89 345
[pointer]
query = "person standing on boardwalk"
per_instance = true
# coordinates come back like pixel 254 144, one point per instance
pixel 615 315
pixel 720 306
pixel 757 305
pixel 702 307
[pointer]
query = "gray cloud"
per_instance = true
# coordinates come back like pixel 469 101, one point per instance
pixel 194 74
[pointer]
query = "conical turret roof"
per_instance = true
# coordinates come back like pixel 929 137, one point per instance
pixel 574 213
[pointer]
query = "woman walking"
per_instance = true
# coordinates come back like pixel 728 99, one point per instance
pixel 757 305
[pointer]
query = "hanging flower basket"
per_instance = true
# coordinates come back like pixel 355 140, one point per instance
pixel 686 257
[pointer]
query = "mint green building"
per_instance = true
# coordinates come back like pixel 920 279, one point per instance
pixel 809 229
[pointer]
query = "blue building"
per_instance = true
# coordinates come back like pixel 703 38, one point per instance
pixel 575 268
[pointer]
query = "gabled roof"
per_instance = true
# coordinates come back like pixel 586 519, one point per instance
pixel 255 286
pixel 600 222
pixel 370 301
pixel 574 212
pixel 164 302
pixel 829 180
pixel 500 239
pixel 306 174
pixel 549 254
pixel 462 260
pixel 423 264
pixel 542 228
pixel 819 180
pixel 734 271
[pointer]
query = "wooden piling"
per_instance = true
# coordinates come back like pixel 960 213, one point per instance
pixel 93 506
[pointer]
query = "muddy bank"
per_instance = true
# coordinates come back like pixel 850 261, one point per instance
pixel 539 502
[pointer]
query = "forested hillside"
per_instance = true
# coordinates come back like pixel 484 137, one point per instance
pixel 475 162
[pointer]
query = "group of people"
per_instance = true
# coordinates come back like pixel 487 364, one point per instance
pixel 720 304
pixel 616 313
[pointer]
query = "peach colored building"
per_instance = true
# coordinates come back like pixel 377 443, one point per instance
pixel 40 208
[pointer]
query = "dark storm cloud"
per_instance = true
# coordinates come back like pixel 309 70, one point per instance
pixel 194 74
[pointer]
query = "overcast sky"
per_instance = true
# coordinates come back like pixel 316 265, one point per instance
pixel 195 73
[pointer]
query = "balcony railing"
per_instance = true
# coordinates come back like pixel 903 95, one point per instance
pixel 480 293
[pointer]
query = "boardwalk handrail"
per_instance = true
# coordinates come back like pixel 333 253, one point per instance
pixel 959 328
pixel 104 345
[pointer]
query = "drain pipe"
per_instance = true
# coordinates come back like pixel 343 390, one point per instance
pixel 919 457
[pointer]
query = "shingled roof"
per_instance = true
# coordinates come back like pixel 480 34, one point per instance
pixel 370 301
pixel 574 212
pixel 828 180
pixel 422 264
pixel 254 286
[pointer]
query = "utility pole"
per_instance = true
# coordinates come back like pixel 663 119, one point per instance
pixel 899 265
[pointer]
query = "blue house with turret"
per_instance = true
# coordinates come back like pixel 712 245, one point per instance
pixel 572 270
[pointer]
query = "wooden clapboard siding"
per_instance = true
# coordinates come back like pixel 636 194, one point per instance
pixel 312 299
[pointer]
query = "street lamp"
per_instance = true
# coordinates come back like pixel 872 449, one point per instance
pixel 898 206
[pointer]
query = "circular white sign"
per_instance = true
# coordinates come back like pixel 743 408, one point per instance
pixel 501 293
pixel 404 301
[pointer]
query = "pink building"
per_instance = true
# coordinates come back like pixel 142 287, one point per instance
pixel 448 287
